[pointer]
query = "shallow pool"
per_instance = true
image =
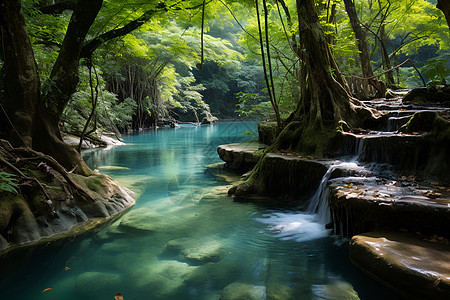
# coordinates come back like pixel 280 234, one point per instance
pixel 185 239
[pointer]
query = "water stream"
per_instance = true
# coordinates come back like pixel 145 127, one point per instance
pixel 191 241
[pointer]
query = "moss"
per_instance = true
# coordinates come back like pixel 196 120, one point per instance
pixel 420 121
pixel 94 183
pixel 267 132
pixel 7 203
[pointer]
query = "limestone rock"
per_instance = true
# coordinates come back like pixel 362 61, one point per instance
pixel 240 156
pixel 240 290
pixel 162 278
pixel 203 253
pixel 195 252
pixel 335 290
pixel 216 275
pixel 278 291
pixel 140 220
pixel 414 268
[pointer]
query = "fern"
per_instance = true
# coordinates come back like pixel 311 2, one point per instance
pixel 8 183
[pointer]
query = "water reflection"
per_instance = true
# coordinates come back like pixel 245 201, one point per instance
pixel 185 239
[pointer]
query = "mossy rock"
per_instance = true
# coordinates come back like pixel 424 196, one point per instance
pixel 161 278
pixel 193 251
pixel 141 220
pixel 267 132
pixel 216 275
pixel 419 122
pixel 278 291
pixel 335 290
pixel 241 290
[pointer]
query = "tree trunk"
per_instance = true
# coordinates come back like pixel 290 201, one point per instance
pixel 22 83
pixel 385 57
pixel 364 56
pixel 444 5
pixel 325 101
pixel 36 117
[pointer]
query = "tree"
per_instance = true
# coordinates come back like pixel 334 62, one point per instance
pixel 364 56
pixel 325 101
pixel 35 116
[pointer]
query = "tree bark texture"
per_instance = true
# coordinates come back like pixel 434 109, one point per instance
pixel 364 56
pixel 22 84
pixel 444 5
pixel 36 117
pixel 324 100
pixel 385 57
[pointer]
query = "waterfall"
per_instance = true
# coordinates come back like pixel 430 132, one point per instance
pixel 359 147
pixel 307 225
pixel 318 204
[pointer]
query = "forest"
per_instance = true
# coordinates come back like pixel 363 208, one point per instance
pixel 322 79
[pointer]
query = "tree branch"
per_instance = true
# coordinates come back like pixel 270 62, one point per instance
pixel 92 45
pixel 58 7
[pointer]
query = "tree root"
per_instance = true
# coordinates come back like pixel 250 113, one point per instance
pixel 23 176
pixel 31 154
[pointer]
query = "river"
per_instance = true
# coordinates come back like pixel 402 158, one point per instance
pixel 192 241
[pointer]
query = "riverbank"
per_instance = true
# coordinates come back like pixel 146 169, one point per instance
pixel 391 178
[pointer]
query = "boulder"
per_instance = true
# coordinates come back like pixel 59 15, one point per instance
pixel 161 278
pixel 240 290
pixel 278 291
pixel 335 290
pixel 415 268
pixel 216 275
pixel 141 220
pixel 241 156
pixel 193 251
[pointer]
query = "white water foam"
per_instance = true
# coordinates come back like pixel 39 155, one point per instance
pixel 300 227
pixel 308 225
pixel 318 204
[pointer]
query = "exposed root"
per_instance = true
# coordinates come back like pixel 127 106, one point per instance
pixel 29 155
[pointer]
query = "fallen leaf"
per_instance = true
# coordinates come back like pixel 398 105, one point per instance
pixel 46 290
pixel 435 183
pixel 350 185
pixel 436 282
pixel 441 187
pixel 118 296
pixel 66 268
pixel 376 191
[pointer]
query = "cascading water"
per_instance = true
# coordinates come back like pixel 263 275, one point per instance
pixel 309 224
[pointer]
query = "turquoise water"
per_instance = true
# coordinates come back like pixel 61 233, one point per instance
pixel 185 239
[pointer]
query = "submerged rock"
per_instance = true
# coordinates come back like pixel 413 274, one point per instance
pixel 203 253
pixel 414 268
pixel 278 291
pixel 216 275
pixel 140 220
pixel 335 290
pixel 193 251
pixel 240 290
pixel 161 278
